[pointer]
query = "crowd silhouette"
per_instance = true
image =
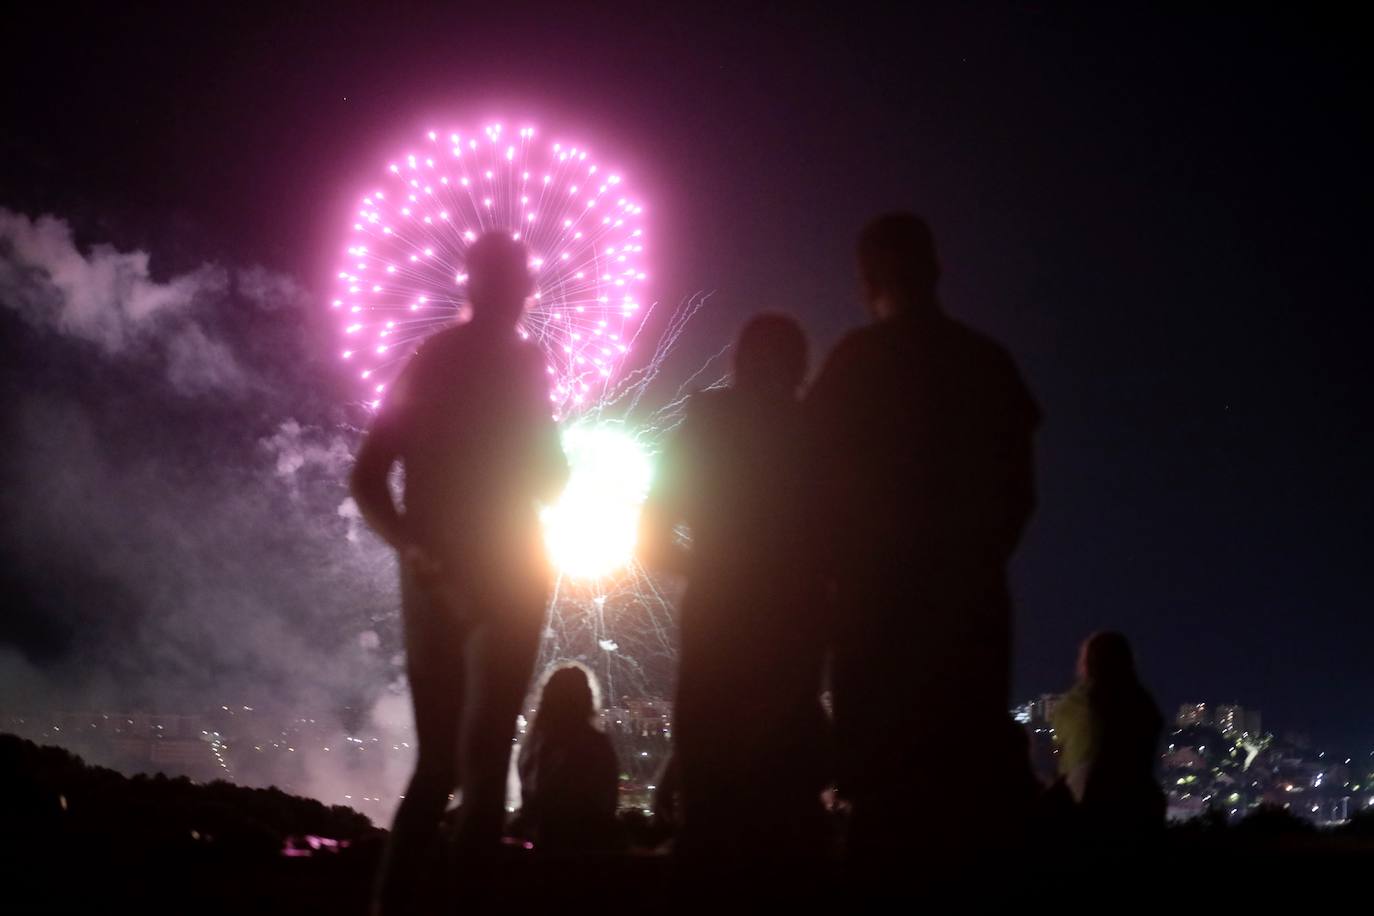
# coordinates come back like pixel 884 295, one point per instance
pixel 851 538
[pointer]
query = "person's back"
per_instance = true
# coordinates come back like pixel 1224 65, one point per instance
pixel 746 505
pixel 928 419
pixel 1109 729
pixel 748 723
pixel 923 430
pixel 1121 784
pixel 477 455
pixel 569 776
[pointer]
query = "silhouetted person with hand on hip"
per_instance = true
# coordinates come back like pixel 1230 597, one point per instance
pixel 1108 729
pixel 569 777
pixel 748 726
pixel 923 432
pixel 469 421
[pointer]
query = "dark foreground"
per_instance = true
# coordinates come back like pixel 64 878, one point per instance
pixel 80 839
pixel 121 880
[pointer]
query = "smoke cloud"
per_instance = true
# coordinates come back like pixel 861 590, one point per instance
pixel 179 533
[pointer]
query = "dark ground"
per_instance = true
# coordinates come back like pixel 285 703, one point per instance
pixel 1209 873
pixel 81 839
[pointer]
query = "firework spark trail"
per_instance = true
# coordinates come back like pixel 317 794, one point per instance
pixel 622 625
pixel 631 391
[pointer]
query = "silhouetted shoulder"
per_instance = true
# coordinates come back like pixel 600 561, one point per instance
pixel 986 359
pixel 1005 368
pixel 854 347
pixel 437 345
pixel 429 358
pixel 395 414
pixel 829 398
pixel 529 357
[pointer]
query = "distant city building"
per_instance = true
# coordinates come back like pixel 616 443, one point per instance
pixel 1229 719
pixel 1034 715
pixel 1038 712
pixel 642 717
pixel 1042 709
pixel 1236 720
pixel 1233 773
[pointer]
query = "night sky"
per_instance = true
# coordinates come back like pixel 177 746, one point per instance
pixel 1164 216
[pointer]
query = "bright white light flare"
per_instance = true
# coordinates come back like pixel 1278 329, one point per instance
pixel 590 533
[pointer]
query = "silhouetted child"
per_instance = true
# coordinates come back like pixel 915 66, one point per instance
pixel 1108 729
pixel 923 430
pixel 569 778
pixel 469 420
pixel 748 726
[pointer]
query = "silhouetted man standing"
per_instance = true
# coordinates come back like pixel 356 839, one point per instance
pixel 469 421
pixel 924 432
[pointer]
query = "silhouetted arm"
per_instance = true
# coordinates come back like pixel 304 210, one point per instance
pixel 371 492
pixel 381 449
pixel 552 464
pixel 1020 492
pixel 1018 498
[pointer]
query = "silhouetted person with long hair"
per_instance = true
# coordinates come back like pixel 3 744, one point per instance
pixel 923 430
pixel 1108 729
pixel 569 777
pixel 469 421
pixel 748 727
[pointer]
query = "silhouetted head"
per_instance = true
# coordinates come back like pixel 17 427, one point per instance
pixel 771 354
pixel 498 279
pixel 897 264
pixel 1106 658
pixel 569 697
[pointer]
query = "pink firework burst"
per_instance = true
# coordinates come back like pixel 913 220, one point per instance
pixel 402 277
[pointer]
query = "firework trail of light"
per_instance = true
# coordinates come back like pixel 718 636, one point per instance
pixel 403 279
pixel 619 619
